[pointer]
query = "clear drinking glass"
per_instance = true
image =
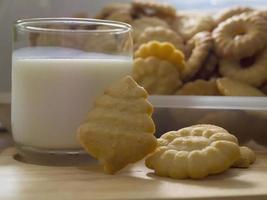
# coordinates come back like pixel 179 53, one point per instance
pixel 59 65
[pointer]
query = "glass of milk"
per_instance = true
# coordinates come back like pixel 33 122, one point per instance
pixel 59 66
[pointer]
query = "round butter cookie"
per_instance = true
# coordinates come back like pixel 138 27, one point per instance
pixel 139 25
pixel 151 8
pixel 198 50
pixel 253 73
pixel 230 12
pixel 199 87
pixel 112 8
pixel 209 69
pixel 230 87
pixel 240 36
pixel 121 16
pixel 160 34
pixel 189 24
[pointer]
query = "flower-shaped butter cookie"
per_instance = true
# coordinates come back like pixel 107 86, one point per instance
pixel 194 152
pixel 119 129
pixel 156 76
pixel 162 50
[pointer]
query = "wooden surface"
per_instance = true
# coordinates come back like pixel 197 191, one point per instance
pixel 20 180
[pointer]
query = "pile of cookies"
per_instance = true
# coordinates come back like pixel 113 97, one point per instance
pixel 119 131
pixel 219 54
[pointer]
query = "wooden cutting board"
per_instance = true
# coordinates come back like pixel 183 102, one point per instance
pixel 20 180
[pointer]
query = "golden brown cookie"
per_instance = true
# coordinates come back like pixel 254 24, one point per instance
pixel 162 50
pixel 230 12
pixel 262 13
pixel 80 15
pixel 253 71
pixel 112 8
pixel 33 37
pixel 100 43
pixel 240 36
pixel 189 24
pixel 228 119
pixel 230 87
pixel 199 48
pixel 160 34
pixel 199 87
pixel 216 128
pixel 121 16
pixel 119 129
pixel 194 152
pixel 247 157
pixel 209 69
pixel 152 8
pixel 157 76
pixel 139 25
pixel 56 38
pixel 263 88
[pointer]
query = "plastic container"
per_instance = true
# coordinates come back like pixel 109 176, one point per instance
pixel 245 117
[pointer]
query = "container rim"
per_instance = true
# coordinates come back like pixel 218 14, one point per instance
pixel 210 102
pixel 35 25
pixel 195 102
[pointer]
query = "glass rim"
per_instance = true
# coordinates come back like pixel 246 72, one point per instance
pixel 30 25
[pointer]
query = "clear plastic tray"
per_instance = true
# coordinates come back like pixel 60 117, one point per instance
pixel 245 117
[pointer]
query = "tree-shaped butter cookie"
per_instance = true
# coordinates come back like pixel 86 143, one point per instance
pixel 119 129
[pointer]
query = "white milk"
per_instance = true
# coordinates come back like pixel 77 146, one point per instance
pixel 51 94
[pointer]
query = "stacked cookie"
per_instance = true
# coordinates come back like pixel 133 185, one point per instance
pixel 231 44
pixel 158 66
